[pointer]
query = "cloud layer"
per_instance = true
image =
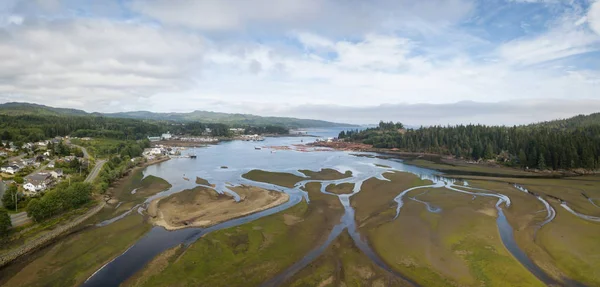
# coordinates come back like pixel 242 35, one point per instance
pixel 377 59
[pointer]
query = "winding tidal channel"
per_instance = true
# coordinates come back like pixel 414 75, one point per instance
pixel 241 157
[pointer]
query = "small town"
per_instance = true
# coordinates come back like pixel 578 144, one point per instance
pixel 36 167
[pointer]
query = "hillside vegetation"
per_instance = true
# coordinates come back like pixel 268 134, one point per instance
pixel 571 123
pixel 195 116
pixel 564 144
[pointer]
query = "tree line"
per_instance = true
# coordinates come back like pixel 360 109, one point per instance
pixel 59 200
pixel 533 146
pixel 32 128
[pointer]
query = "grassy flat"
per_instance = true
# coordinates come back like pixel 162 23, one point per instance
pixel 202 181
pixel 326 174
pixel 459 246
pixel 343 264
pixel 381 194
pixel 125 200
pixel 562 247
pixel 382 165
pixel 250 254
pixel 74 258
pixel 475 169
pixel 342 188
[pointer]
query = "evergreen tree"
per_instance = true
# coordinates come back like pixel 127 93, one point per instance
pixel 489 152
pixel 5 223
pixel 541 162
pixel 8 199
pixel 522 159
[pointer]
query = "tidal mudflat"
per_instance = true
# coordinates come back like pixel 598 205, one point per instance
pixel 325 218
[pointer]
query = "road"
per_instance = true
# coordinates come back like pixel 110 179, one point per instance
pixel 95 171
pixel 21 218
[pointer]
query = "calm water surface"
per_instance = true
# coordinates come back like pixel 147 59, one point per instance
pixel 240 157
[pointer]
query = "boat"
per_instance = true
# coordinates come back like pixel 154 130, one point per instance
pixel 257 148
pixel 193 155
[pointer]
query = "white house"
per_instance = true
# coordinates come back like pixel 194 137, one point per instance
pixel 28 146
pixel 10 169
pixel 166 136
pixel 156 151
pixel 57 173
pixel 37 182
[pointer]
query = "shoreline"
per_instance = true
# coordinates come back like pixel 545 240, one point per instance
pixel 157 217
pixel 108 194
pixel 48 238
pixel 451 166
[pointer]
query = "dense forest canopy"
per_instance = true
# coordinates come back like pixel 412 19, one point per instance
pixel 555 145
pixel 32 128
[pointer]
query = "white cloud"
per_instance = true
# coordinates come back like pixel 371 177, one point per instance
pixel 594 17
pixel 551 46
pixel 566 36
pixel 94 61
pixel 240 56
pixel 336 16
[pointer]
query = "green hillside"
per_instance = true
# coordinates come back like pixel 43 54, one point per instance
pixel 200 116
pixel 231 119
pixel 573 122
pixel 27 108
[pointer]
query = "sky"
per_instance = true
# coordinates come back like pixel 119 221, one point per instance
pixel 419 62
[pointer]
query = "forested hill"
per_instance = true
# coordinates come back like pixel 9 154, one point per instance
pixel 35 109
pixel 225 118
pixel 564 144
pixel 571 123
pixel 199 116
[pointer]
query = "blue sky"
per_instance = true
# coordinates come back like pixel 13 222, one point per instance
pixel 420 62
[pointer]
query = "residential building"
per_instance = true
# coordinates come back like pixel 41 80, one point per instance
pixel 37 182
pixel 42 144
pixel 57 173
pixel 27 161
pixel 69 158
pixel 28 146
pixel 166 136
pixel 10 169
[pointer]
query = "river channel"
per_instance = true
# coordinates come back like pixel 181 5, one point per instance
pixel 225 163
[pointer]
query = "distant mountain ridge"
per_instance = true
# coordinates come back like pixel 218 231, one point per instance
pixel 16 108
